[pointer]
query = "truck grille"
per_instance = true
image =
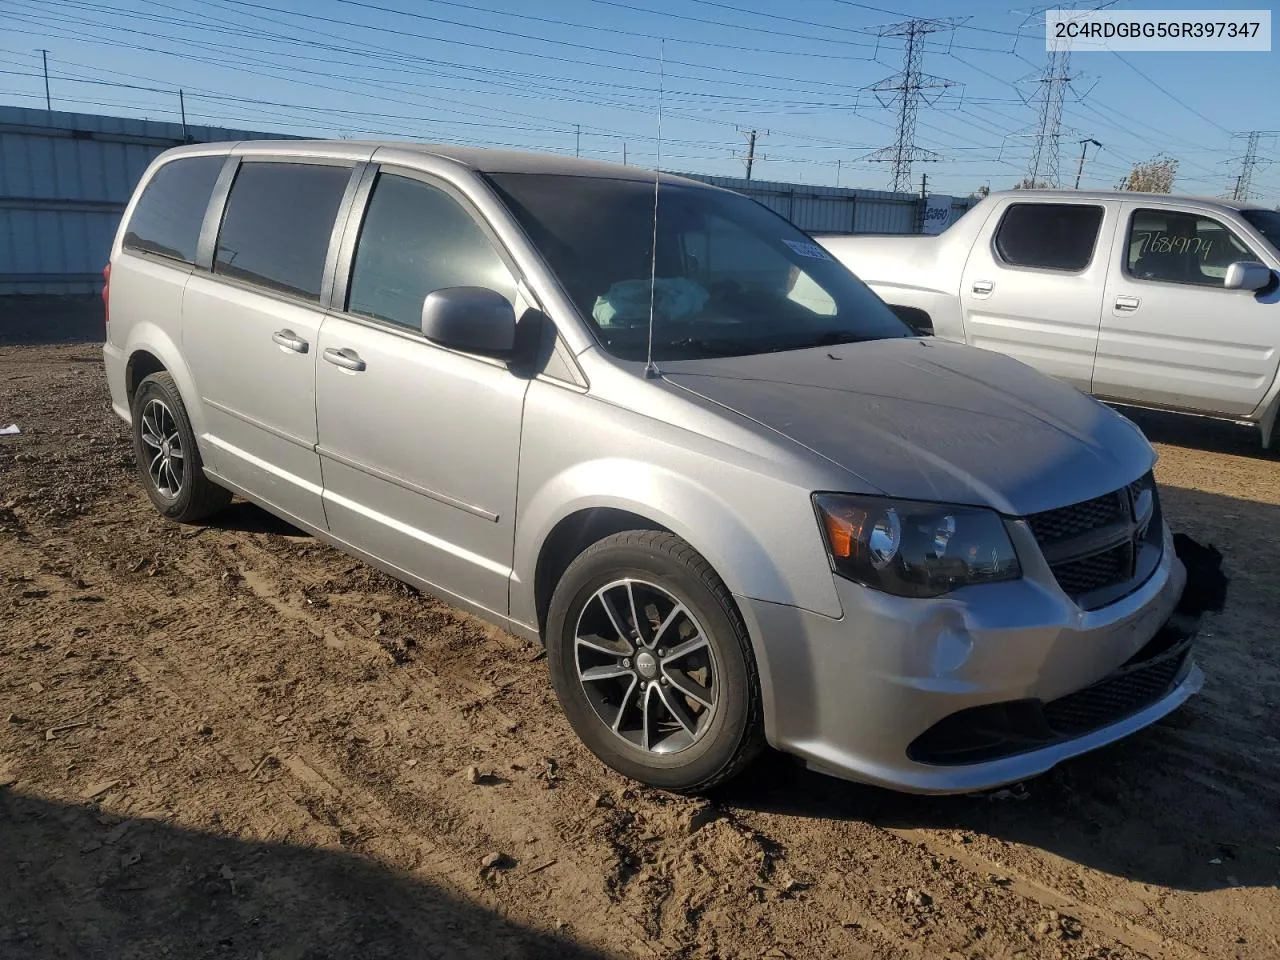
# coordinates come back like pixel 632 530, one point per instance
pixel 1093 546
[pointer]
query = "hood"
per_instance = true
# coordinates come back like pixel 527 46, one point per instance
pixel 923 419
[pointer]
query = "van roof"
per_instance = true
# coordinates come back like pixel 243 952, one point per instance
pixel 480 159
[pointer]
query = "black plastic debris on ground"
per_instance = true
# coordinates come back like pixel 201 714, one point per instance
pixel 1206 590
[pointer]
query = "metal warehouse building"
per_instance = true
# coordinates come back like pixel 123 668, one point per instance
pixel 65 178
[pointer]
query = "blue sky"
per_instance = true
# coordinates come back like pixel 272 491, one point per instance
pixel 570 75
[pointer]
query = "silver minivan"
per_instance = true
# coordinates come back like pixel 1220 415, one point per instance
pixel 653 425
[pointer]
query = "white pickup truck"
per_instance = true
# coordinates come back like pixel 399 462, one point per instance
pixel 1143 299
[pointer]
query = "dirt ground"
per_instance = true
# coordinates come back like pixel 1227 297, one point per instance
pixel 232 741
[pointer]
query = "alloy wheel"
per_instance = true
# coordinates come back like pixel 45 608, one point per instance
pixel 163 444
pixel 647 666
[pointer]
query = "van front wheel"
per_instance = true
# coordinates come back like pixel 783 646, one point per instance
pixel 652 663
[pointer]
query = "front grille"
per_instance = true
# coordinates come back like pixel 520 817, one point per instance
pixel 1096 572
pixel 1093 547
pixel 1062 523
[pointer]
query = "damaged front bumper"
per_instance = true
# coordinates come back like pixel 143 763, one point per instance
pixel 971 691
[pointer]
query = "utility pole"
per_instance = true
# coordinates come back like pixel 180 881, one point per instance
pixel 1250 161
pixel 751 136
pixel 182 108
pixel 837 173
pixel 48 102
pixel 624 153
pixel 577 140
pixel 924 185
pixel 1084 145
pixel 907 89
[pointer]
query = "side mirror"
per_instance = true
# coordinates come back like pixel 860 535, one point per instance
pixel 1247 275
pixel 470 319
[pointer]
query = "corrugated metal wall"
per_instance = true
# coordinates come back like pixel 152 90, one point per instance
pixel 836 209
pixel 65 178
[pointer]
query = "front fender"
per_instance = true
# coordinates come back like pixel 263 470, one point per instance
pixel 792 569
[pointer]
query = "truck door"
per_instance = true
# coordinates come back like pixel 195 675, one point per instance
pixel 1032 286
pixel 1172 335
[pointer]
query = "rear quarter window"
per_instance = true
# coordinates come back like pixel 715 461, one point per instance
pixel 167 218
pixel 1048 236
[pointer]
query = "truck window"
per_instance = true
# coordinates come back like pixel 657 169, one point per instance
pixel 415 240
pixel 1048 236
pixel 1266 222
pixel 1173 246
pixel 276 230
pixel 167 218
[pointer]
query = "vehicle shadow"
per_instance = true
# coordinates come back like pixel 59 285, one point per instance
pixel 245 517
pixel 74 887
pixel 1198 433
pixel 1189 803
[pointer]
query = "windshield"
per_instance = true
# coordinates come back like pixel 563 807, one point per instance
pixel 733 278
pixel 1267 223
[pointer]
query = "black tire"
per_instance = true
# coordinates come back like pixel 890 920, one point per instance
pixel 733 733
pixel 195 497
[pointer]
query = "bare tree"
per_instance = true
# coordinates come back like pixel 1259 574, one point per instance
pixel 1154 176
pixel 981 192
pixel 1029 183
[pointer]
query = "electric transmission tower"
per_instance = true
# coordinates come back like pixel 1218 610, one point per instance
pixel 906 90
pixel 1046 148
pixel 1241 186
pixel 1052 85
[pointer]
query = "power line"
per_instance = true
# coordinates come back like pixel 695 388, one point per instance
pixel 908 89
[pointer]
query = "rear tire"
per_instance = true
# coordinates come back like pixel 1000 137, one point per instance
pixel 169 463
pixel 673 700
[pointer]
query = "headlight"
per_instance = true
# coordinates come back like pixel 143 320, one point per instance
pixel 914 549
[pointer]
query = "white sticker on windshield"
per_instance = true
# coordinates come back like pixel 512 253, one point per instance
pixel 810 250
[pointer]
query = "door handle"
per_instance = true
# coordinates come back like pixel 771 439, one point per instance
pixel 290 341
pixel 983 287
pixel 1128 303
pixel 346 358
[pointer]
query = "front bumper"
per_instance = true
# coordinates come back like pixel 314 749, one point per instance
pixel 851 695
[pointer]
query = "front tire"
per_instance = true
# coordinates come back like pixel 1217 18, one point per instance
pixel 169 463
pixel 652 663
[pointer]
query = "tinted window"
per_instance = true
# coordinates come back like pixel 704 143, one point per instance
pixel 171 209
pixel 1177 247
pixel 732 277
pixel 276 229
pixel 1266 222
pixel 417 239
pixel 1050 236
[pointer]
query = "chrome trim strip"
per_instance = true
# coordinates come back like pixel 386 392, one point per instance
pixel 409 485
pixel 245 418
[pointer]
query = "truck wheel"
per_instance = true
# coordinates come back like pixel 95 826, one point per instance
pixel 168 460
pixel 652 663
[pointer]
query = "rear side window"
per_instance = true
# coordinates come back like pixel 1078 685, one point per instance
pixel 415 240
pixel 1049 236
pixel 167 218
pixel 275 232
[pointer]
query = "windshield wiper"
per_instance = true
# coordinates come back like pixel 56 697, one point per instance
pixel 834 337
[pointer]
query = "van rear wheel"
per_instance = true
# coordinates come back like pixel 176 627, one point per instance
pixel 652 663
pixel 169 463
